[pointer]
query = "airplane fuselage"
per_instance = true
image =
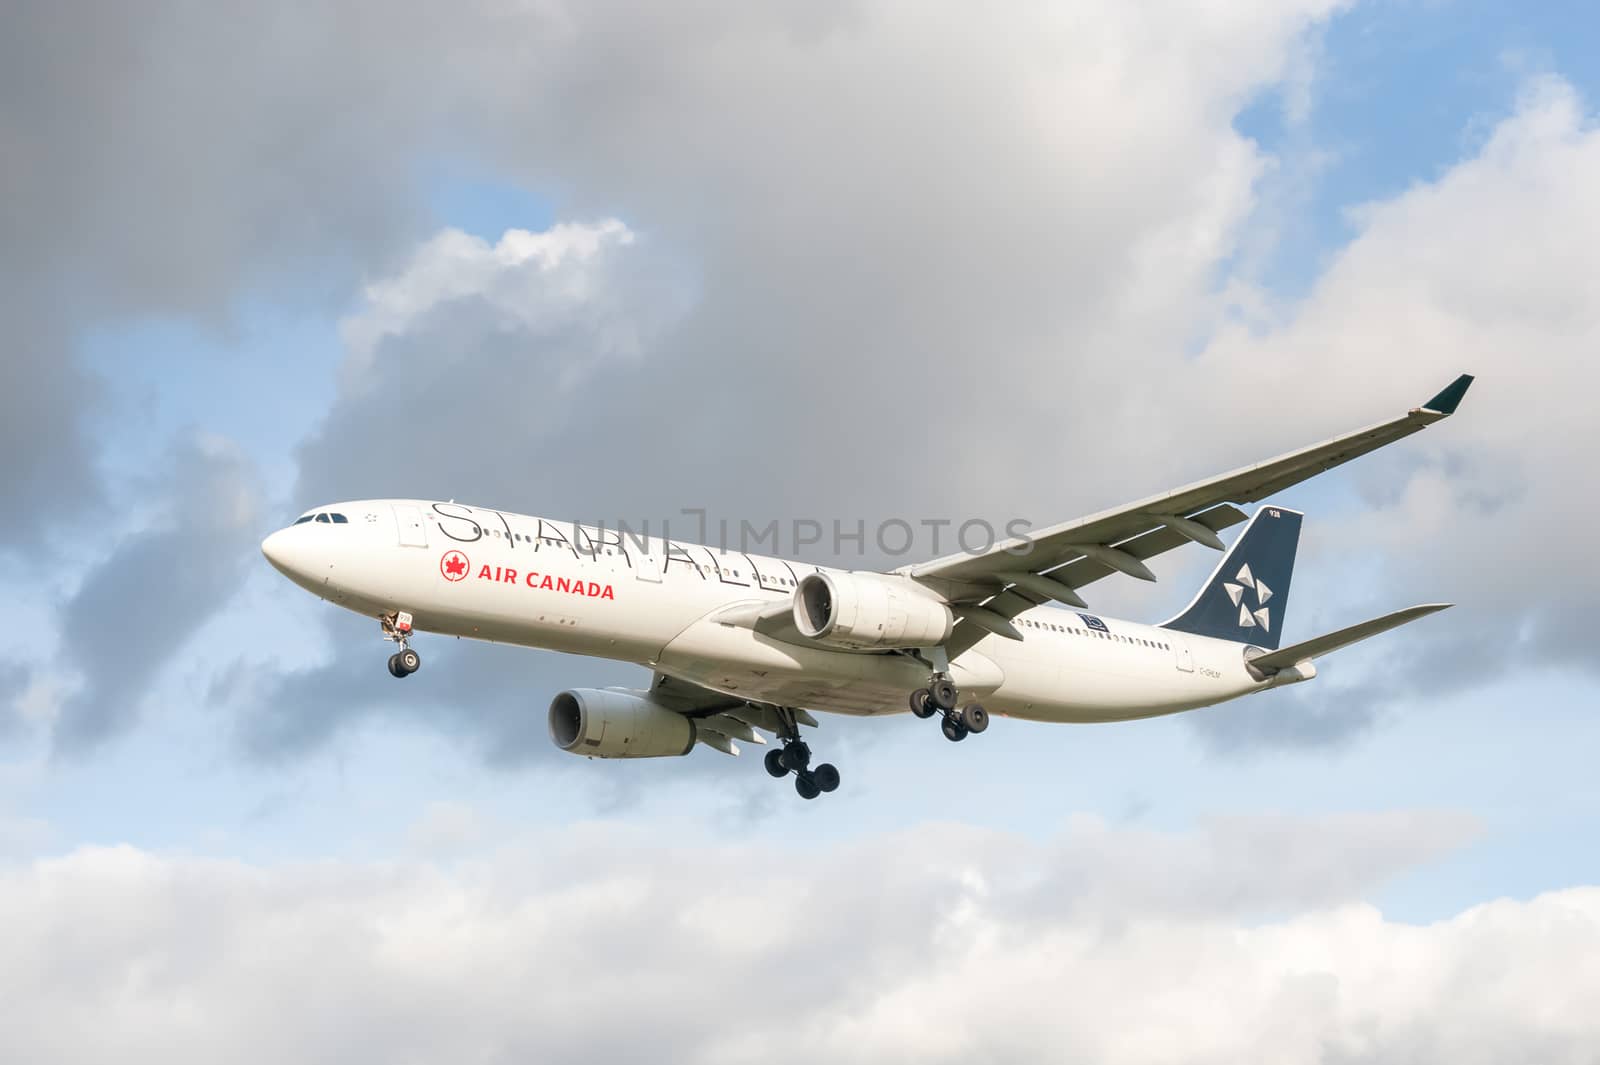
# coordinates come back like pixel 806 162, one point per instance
pixel 486 574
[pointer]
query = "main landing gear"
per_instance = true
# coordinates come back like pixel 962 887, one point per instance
pixel 397 629
pixel 940 697
pixel 795 757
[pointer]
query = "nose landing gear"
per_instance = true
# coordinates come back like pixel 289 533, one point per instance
pixel 795 757
pixel 397 629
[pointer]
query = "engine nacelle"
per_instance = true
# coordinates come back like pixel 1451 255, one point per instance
pixel 617 723
pixel 864 610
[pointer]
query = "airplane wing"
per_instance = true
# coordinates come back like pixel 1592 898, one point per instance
pixel 1273 661
pixel 720 719
pixel 1015 575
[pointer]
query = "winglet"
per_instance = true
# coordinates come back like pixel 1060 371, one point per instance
pixel 1447 401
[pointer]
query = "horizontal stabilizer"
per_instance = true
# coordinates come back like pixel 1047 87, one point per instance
pixel 1314 648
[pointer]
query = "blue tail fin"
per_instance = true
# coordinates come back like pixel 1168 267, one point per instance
pixel 1247 595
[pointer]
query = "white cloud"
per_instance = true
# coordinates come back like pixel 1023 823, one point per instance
pixel 938 944
pixel 526 276
pixel 1488 269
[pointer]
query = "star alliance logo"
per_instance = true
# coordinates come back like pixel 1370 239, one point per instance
pixel 1249 619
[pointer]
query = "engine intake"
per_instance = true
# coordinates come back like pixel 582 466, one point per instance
pixel 617 723
pixel 868 611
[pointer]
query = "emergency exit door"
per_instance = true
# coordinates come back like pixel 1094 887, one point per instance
pixel 1185 658
pixel 408 519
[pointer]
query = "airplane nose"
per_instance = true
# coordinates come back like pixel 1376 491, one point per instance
pixel 276 548
pixel 304 555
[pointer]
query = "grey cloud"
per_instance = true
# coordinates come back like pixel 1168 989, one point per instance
pixel 1324 714
pixel 170 158
pixel 901 225
pixel 867 267
pixel 47 479
pixel 164 155
pixel 135 609
pixel 13 682
pixel 869 318
pixel 878 396
pixel 491 697
pixel 937 267
pixel 176 160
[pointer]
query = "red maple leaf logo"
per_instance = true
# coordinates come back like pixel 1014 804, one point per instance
pixel 453 565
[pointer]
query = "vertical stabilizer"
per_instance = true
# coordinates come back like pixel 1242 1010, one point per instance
pixel 1247 595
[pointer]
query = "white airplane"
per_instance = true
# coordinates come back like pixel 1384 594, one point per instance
pixel 740 642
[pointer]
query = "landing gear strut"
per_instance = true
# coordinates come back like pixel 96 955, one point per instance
pixel 795 757
pixel 397 629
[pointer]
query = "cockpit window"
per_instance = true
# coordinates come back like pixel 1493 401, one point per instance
pixel 326 518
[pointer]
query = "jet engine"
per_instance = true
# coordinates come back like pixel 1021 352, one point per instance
pixel 867 611
pixel 617 723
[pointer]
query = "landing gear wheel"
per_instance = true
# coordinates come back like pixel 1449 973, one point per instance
pixel 394 667
pixel 409 660
pixel 774 763
pixel 796 756
pixel 953 730
pixel 921 705
pixel 974 718
pixel 943 693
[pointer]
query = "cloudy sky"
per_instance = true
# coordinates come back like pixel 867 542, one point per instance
pixel 794 259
